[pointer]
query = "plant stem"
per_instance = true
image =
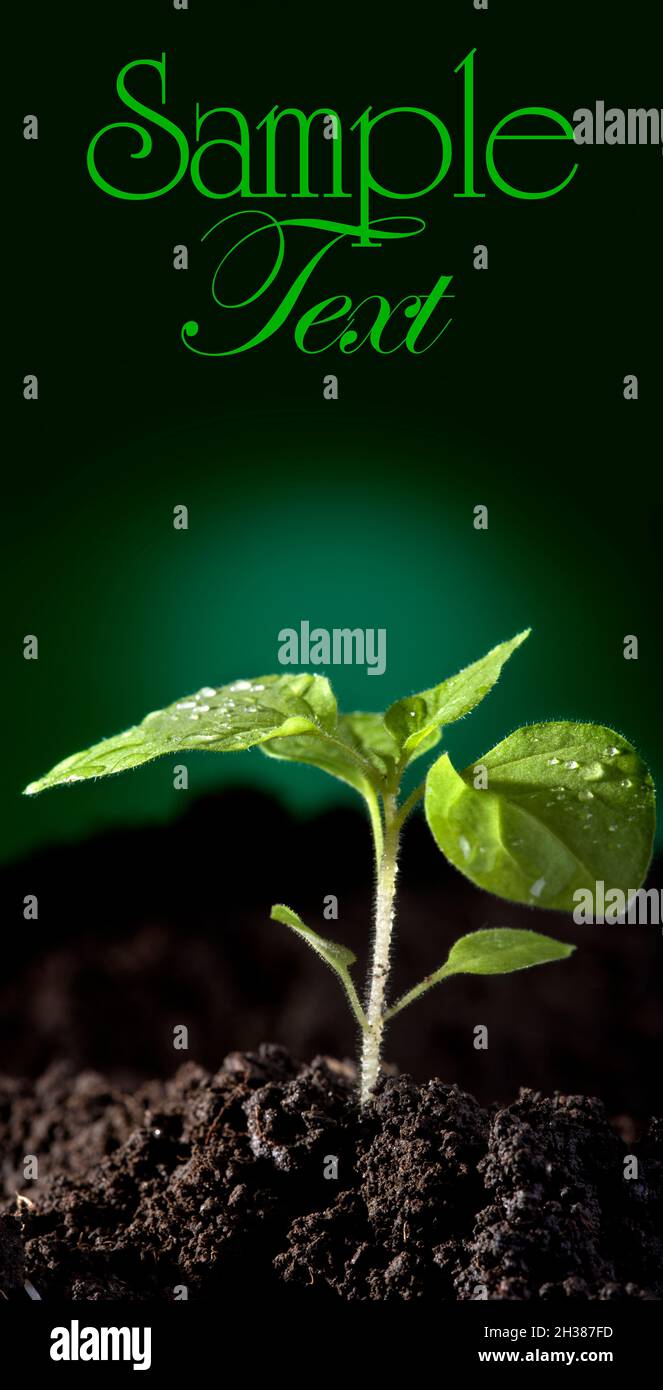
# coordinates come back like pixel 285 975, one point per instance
pixel 384 921
pixel 413 800
pixel 433 979
pixel 372 801
pixel 353 999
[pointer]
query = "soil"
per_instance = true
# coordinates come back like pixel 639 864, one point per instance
pixel 223 1183
pixel 153 1175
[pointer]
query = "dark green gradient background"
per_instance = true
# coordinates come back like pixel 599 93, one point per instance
pixel 352 513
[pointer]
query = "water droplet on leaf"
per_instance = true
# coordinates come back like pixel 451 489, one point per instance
pixel 593 771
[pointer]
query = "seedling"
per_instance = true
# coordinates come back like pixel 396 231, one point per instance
pixel 553 809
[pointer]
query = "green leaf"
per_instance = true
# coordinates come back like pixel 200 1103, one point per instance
pixel 501 950
pixel 369 735
pixel 332 952
pixel 416 721
pixel 494 952
pixel 363 752
pixel 227 719
pixel 566 806
pixel 338 957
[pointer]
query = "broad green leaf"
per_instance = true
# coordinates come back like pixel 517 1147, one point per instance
pixel 227 719
pixel 416 721
pixel 498 951
pixel 363 752
pixel 565 806
pixel 338 957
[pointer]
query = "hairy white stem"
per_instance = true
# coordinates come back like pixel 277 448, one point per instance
pixel 384 922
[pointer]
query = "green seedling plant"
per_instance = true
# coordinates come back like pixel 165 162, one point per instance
pixel 553 809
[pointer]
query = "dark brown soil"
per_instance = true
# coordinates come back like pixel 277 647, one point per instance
pixel 217 1183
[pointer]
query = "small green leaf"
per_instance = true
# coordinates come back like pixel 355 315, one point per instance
pixel 416 722
pixel 498 951
pixel 332 952
pixel 501 950
pixel 338 957
pixel 565 806
pixel 369 735
pixel 226 719
pixel 362 752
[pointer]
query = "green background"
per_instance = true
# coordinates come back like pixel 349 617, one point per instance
pixel 349 513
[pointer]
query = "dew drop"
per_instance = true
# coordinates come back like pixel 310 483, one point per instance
pixel 186 704
pixel 241 685
pixel 202 709
pixel 465 846
pixel 552 762
pixel 593 771
pixel 207 692
pixel 610 752
pixel 612 827
pixel 585 795
pixel 626 782
pixel 538 887
pixel 571 763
